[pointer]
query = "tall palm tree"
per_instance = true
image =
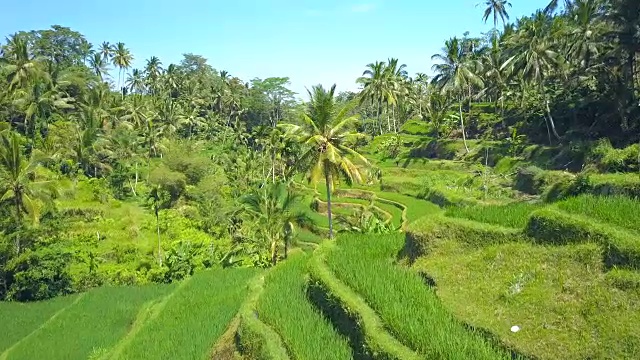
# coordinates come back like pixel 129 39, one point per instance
pixel 555 4
pixel 455 74
pixel 39 102
pixel 122 59
pixel 499 10
pixel 624 15
pixel 494 73
pixel 19 181
pixel 324 131
pixel 135 82
pixel 153 70
pixel 536 59
pixel 585 37
pixel 98 65
pixel 396 85
pixel 271 209
pixel 106 50
pixel 21 66
pixel 374 85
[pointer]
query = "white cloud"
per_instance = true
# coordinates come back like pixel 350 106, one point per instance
pixel 363 8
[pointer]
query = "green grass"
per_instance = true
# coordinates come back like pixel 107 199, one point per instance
pixel 193 318
pixel 416 208
pixel 409 309
pixel 558 295
pixel 306 236
pixel 396 213
pixel 20 319
pixel 513 215
pixel 285 307
pixel 303 205
pixel 94 324
pixel 614 210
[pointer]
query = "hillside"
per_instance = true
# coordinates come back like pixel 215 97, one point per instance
pixel 569 284
pixel 485 206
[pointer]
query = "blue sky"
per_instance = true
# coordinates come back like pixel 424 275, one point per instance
pixel 312 42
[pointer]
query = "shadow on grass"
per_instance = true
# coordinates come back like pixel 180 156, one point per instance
pixel 345 324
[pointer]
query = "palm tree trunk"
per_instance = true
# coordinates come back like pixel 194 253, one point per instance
pixel 379 114
pixel 327 177
pixel 273 166
pixel 395 120
pixel 553 125
pixel 546 123
pixel 133 189
pixel 158 232
pixel 464 136
pixel 388 119
pixel 19 221
pixel 274 252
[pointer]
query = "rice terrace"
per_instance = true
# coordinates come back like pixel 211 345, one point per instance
pixel 487 208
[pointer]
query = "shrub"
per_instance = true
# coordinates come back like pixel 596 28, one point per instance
pixel 624 279
pixel 39 275
pixel 186 158
pixel 608 159
pixel 170 182
pixel 417 127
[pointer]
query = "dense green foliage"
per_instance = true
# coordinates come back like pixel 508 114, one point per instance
pixel 512 170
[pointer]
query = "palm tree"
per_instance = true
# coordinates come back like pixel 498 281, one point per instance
pixel 555 4
pixel 499 10
pixel 271 209
pixel 106 50
pixel 153 69
pixel 374 87
pixel 21 186
pixel 39 102
pixel 86 50
pixel 21 66
pixel 122 59
pixel 135 83
pixel 585 37
pixel 455 74
pixel 535 59
pixel 98 65
pixel 437 108
pixel 494 73
pixel 156 196
pixel 324 131
pixel 395 84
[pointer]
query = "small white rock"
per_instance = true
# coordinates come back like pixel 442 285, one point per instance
pixel 515 328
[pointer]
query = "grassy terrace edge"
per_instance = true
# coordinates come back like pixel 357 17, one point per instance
pixel 376 336
pixel 255 338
